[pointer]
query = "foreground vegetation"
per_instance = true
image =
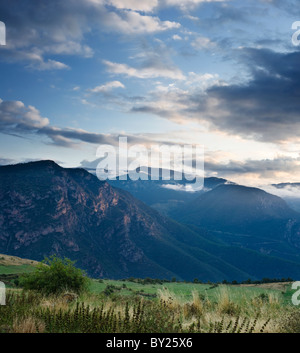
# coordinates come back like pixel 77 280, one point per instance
pixel 71 304
pixel 221 311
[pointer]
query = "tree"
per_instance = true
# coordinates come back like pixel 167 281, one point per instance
pixel 55 275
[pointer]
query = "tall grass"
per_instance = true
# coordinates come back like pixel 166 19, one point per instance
pixel 168 313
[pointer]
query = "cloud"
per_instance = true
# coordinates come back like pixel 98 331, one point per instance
pixel 288 191
pixel 187 4
pixel 144 72
pixel 202 43
pixel 283 166
pixel 152 60
pixel 69 48
pixel 150 6
pixel 264 108
pixel 131 22
pixel 107 87
pixel 176 37
pixel 59 28
pixel 39 29
pixel 19 120
pixel 68 137
pixel 15 117
pixel 173 101
pixel 291 6
pixel 33 59
pixel 49 64
pixel 135 5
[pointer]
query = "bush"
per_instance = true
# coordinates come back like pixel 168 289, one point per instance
pixel 54 276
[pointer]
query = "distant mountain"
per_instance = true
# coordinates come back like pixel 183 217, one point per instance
pixel 246 217
pixel 290 192
pixel 236 207
pixel 46 209
pixel 164 195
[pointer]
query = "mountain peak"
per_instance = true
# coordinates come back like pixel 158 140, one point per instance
pixel 231 187
pixel 237 208
pixel 47 163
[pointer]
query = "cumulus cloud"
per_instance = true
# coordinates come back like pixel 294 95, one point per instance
pixel 173 101
pixel 59 28
pixel 107 87
pixel 202 43
pixel 176 37
pixel 131 22
pixel 16 117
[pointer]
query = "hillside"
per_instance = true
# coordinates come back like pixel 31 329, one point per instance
pixel 237 207
pixel 48 209
pixel 11 267
pixel 246 217
pixel 8 260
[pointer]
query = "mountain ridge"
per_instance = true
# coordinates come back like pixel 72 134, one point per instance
pixel 50 209
pixel 70 212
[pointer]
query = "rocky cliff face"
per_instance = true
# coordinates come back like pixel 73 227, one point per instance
pixel 47 209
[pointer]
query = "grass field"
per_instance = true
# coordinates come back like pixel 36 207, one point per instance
pixel 138 306
pixel 183 291
pixel 15 269
pixel 11 267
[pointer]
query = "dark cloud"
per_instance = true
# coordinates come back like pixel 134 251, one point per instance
pixel 265 168
pixel 19 120
pixel 265 108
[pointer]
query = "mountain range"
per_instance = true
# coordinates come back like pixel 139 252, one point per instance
pixel 164 195
pixel 225 231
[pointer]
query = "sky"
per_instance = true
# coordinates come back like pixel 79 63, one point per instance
pixel 77 74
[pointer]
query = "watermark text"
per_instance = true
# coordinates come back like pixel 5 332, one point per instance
pixel 2 294
pixel 296 35
pixel 155 162
pixel 2 33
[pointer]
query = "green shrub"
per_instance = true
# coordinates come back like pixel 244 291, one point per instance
pixel 55 275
